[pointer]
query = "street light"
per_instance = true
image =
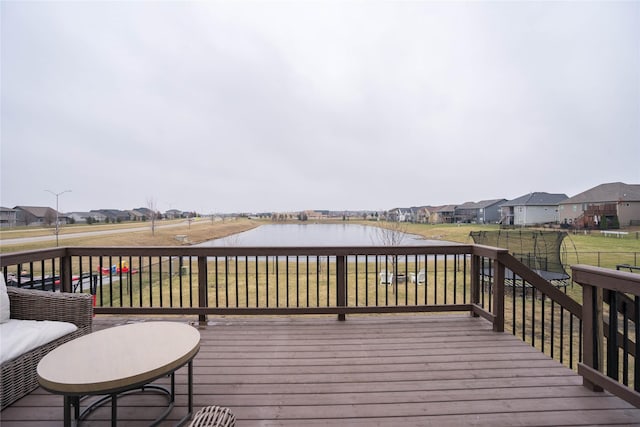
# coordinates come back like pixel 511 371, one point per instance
pixel 57 220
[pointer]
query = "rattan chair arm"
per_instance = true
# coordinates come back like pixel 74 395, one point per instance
pixel 30 304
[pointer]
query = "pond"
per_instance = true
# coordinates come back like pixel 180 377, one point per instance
pixel 296 235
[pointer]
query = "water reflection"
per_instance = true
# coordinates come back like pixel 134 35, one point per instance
pixel 296 235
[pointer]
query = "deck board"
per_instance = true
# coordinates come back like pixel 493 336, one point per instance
pixel 440 370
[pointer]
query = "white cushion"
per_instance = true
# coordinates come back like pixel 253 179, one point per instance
pixel 5 310
pixel 20 336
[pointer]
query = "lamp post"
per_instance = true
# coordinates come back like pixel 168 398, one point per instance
pixel 57 220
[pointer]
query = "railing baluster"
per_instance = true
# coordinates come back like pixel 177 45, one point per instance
pixel 435 279
pixel 297 281
pixel 160 293
pixel 612 340
pixel 552 332
pixel 341 277
pixel 446 257
pixel 307 277
pixel 542 322
pixel 636 359
pixel 533 316
pixel 235 259
pixel 625 344
pixel 561 334
pixel 203 294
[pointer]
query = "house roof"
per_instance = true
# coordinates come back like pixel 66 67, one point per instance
pixel 37 211
pixel 445 208
pixel 611 192
pixel 479 205
pixel 80 214
pixel 537 199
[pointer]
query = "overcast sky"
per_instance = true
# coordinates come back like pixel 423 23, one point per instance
pixel 274 106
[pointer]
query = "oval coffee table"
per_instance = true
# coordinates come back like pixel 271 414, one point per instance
pixel 120 360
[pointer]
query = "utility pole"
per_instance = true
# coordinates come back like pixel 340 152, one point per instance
pixel 57 220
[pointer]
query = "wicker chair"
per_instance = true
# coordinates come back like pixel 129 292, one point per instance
pixel 19 376
pixel 213 416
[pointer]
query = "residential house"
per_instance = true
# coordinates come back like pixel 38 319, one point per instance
pixel 482 212
pixel 400 215
pixel 80 217
pixel 113 215
pixel 136 215
pixel 423 214
pixel 174 214
pixel 38 216
pixel 442 214
pixel 148 213
pixel 7 217
pixel 532 209
pixel 610 205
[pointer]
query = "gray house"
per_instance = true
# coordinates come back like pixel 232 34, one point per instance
pixel 38 216
pixel 7 217
pixel 111 215
pixel 482 212
pixel 532 209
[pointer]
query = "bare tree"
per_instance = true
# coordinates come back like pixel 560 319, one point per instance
pixel 50 218
pixel 391 233
pixel 151 205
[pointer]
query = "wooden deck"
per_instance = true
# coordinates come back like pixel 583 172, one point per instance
pixel 367 371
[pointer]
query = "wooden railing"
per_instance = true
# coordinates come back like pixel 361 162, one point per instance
pixel 254 281
pixel 534 310
pixel 483 281
pixel 611 319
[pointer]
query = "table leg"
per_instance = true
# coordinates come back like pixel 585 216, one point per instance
pixel 190 391
pixel 75 400
pixel 67 411
pixel 114 410
pixel 173 386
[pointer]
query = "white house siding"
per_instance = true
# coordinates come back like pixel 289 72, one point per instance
pixel 530 215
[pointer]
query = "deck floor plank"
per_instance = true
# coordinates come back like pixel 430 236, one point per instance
pixel 440 370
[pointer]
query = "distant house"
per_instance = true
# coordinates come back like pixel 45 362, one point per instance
pixel 531 209
pixel 400 215
pixel 87 217
pixel 147 213
pixel 174 214
pixel 422 214
pixel 442 214
pixel 7 217
pixel 113 215
pixel 136 215
pixel 482 212
pixel 604 206
pixel 38 216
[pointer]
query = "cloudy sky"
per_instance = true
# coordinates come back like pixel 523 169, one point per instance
pixel 286 105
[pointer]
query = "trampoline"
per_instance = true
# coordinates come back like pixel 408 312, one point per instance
pixel 537 249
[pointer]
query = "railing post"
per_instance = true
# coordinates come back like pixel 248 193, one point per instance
pixel 592 333
pixel 203 300
pixel 65 273
pixel 341 284
pixel 475 282
pixel 498 296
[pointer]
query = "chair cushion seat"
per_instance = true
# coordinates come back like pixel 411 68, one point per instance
pixel 20 336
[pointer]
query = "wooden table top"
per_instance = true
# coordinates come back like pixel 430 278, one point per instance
pixel 117 358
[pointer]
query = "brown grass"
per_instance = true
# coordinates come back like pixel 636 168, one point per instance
pixel 197 232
